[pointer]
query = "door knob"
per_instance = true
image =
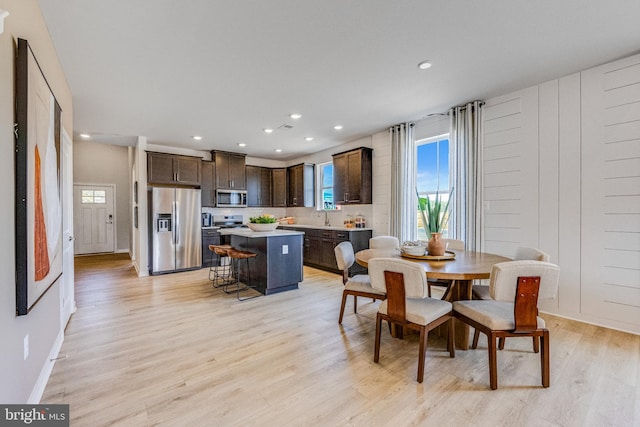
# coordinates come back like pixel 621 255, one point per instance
pixel 70 238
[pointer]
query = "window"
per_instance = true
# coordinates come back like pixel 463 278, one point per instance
pixel 94 196
pixel 432 173
pixel 325 194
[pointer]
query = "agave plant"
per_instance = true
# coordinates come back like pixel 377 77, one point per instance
pixel 436 217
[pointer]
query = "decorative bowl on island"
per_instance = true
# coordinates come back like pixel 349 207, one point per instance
pixel 263 227
pixel 264 222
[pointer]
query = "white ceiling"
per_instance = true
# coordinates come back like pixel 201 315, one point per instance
pixel 227 69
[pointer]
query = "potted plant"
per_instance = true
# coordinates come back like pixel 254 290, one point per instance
pixel 435 217
pixel 265 222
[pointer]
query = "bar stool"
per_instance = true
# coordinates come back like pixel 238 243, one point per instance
pixel 220 272
pixel 237 256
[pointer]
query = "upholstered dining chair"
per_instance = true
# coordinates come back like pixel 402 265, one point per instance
pixel 451 245
pixel 482 291
pixel 515 287
pixel 407 304
pixel 359 285
pixel 384 242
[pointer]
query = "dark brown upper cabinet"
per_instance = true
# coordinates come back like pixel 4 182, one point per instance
pixel 170 169
pixel 301 185
pixel 207 185
pixel 230 170
pixel 258 186
pixel 279 188
pixel 352 177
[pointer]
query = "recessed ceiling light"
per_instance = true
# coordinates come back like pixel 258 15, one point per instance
pixel 338 127
pixel 295 116
pixel 309 138
pixel 242 144
pixel 278 150
pixel 85 135
pixel 197 137
pixel 267 130
pixel 424 65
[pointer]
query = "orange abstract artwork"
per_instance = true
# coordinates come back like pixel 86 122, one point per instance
pixel 41 253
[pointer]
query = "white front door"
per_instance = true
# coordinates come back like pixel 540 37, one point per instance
pixel 93 218
pixel 67 288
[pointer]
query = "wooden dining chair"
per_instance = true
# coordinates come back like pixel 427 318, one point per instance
pixel 407 304
pixel 384 242
pixel 515 287
pixel 481 292
pixel 453 245
pixel 359 285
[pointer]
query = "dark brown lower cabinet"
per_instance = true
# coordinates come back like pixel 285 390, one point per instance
pixel 319 246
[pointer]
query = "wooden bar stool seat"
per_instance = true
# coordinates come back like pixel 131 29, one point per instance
pixel 236 257
pixel 220 272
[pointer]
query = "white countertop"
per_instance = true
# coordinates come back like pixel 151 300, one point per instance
pixel 245 232
pixel 326 227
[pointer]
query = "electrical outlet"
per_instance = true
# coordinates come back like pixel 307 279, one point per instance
pixel 26 346
pixel 285 249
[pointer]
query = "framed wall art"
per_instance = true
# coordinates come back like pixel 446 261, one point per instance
pixel 38 205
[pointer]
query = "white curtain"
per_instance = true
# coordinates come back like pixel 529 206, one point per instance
pixel 403 214
pixel 466 163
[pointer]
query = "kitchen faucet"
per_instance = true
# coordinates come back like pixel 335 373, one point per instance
pixel 326 219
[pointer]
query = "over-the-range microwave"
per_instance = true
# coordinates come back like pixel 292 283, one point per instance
pixel 231 199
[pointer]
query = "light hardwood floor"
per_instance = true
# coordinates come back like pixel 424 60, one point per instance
pixel 171 350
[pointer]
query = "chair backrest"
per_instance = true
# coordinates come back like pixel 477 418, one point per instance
pixel 384 242
pixel 344 255
pixel 523 253
pixel 454 245
pixel 504 279
pixel 415 276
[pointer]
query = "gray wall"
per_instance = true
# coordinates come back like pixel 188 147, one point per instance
pixel 21 379
pixel 95 163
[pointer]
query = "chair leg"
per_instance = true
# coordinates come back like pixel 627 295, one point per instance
pixel 422 353
pixel 476 335
pixel 344 302
pixel 536 345
pixel 355 304
pixel 501 343
pixel 544 359
pixel 451 340
pixel 376 350
pixel 493 362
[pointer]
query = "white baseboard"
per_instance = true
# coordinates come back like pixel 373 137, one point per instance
pixel 45 372
pixel 121 251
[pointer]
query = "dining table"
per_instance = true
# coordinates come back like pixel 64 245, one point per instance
pixel 459 267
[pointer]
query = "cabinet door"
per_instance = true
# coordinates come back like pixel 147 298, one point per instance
pixel 354 177
pixel 236 172
pixel 328 254
pixel 295 196
pixel 278 187
pixel 265 187
pixel 222 171
pixel 311 252
pixel 253 185
pixel 187 170
pixel 160 168
pixel 340 178
pixel 207 192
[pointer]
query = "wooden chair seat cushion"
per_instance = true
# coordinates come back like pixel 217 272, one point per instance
pixel 497 316
pixel 361 283
pixel 422 311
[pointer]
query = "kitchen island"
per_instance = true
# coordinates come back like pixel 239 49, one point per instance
pixel 278 264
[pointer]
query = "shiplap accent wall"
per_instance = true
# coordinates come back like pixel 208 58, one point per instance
pixel 611 191
pixel 561 172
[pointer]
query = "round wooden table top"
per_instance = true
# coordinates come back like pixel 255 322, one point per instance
pixel 466 265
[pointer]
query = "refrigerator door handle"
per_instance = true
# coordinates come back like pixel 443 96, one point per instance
pixel 175 221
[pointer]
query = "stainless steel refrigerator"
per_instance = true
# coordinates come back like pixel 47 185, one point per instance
pixel 175 235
